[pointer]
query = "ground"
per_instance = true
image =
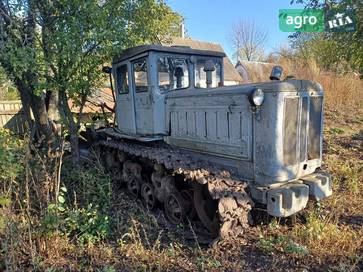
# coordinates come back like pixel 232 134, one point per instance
pixel 102 229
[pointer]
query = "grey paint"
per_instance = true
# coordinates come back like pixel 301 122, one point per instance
pixel 125 111
pixel 219 124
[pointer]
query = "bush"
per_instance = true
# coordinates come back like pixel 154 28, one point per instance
pixel 81 212
pixel 11 170
pixel 88 184
pixel 11 156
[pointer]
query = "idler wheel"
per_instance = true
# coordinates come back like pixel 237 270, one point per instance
pixel 206 209
pixel 109 160
pixel 187 195
pixel 133 186
pixel 147 196
pixel 174 208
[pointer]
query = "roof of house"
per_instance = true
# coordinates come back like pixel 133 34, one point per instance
pixel 254 71
pixel 230 73
pixel 94 102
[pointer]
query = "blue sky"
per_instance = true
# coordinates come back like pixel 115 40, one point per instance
pixel 212 20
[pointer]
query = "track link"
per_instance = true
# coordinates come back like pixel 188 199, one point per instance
pixel 232 215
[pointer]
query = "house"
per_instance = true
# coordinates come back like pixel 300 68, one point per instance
pixel 254 71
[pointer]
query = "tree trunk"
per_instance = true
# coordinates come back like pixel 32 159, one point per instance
pixel 44 151
pixel 72 127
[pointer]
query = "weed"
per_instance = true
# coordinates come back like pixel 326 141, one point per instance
pixel 87 225
pixel 109 269
pixel 279 242
pixel 88 184
pixel 207 263
pixel 336 130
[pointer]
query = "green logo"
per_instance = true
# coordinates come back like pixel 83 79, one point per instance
pixel 301 20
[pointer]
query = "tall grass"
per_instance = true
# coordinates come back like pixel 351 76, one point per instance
pixel 342 91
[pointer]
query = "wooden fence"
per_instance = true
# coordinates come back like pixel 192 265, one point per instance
pixel 12 117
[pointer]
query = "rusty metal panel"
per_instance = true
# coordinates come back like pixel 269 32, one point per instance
pixel 290 129
pixel 315 125
pixel 303 128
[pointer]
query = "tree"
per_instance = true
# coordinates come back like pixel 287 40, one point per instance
pixel 248 40
pixel 19 56
pixel 337 48
pixel 53 51
pixel 7 89
pixel 83 35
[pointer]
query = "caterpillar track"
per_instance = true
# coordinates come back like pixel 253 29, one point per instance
pixel 197 190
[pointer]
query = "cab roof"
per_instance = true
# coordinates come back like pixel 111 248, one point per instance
pixel 134 51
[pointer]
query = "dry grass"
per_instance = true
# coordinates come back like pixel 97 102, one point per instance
pixel 329 238
pixel 342 91
pixel 333 232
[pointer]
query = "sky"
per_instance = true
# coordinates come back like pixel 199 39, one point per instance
pixel 212 20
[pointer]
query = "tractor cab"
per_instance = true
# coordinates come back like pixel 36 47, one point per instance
pixel 143 76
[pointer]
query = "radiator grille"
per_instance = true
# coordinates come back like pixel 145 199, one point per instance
pixel 315 116
pixel 303 128
pixel 302 141
pixel 290 129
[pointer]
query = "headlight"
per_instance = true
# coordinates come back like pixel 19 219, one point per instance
pixel 257 97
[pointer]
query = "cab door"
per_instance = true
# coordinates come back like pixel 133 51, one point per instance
pixel 143 96
pixel 125 109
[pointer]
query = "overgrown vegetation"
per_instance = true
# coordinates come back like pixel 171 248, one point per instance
pixel 7 89
pixel 96 226
pixel 335 51
pixel 90 224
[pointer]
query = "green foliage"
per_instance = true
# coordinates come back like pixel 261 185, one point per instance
pixel 87 225
pixel 280 242
pixel 88 184
pixel 85 217
pixel 7 89
pixel 336 130
pixel 77 37
pixel 206 263
pixel 11 156
pixel 336 51
pixel 11 170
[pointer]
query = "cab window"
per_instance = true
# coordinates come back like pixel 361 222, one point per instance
pixel 201 76
pixel 172 73
pixel 122 80
pixel 140 75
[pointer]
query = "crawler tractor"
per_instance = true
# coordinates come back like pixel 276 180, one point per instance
pixel 197 149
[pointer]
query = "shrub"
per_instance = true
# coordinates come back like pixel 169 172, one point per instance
pixel 84 218
pixel 11 170
pixel 11 156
